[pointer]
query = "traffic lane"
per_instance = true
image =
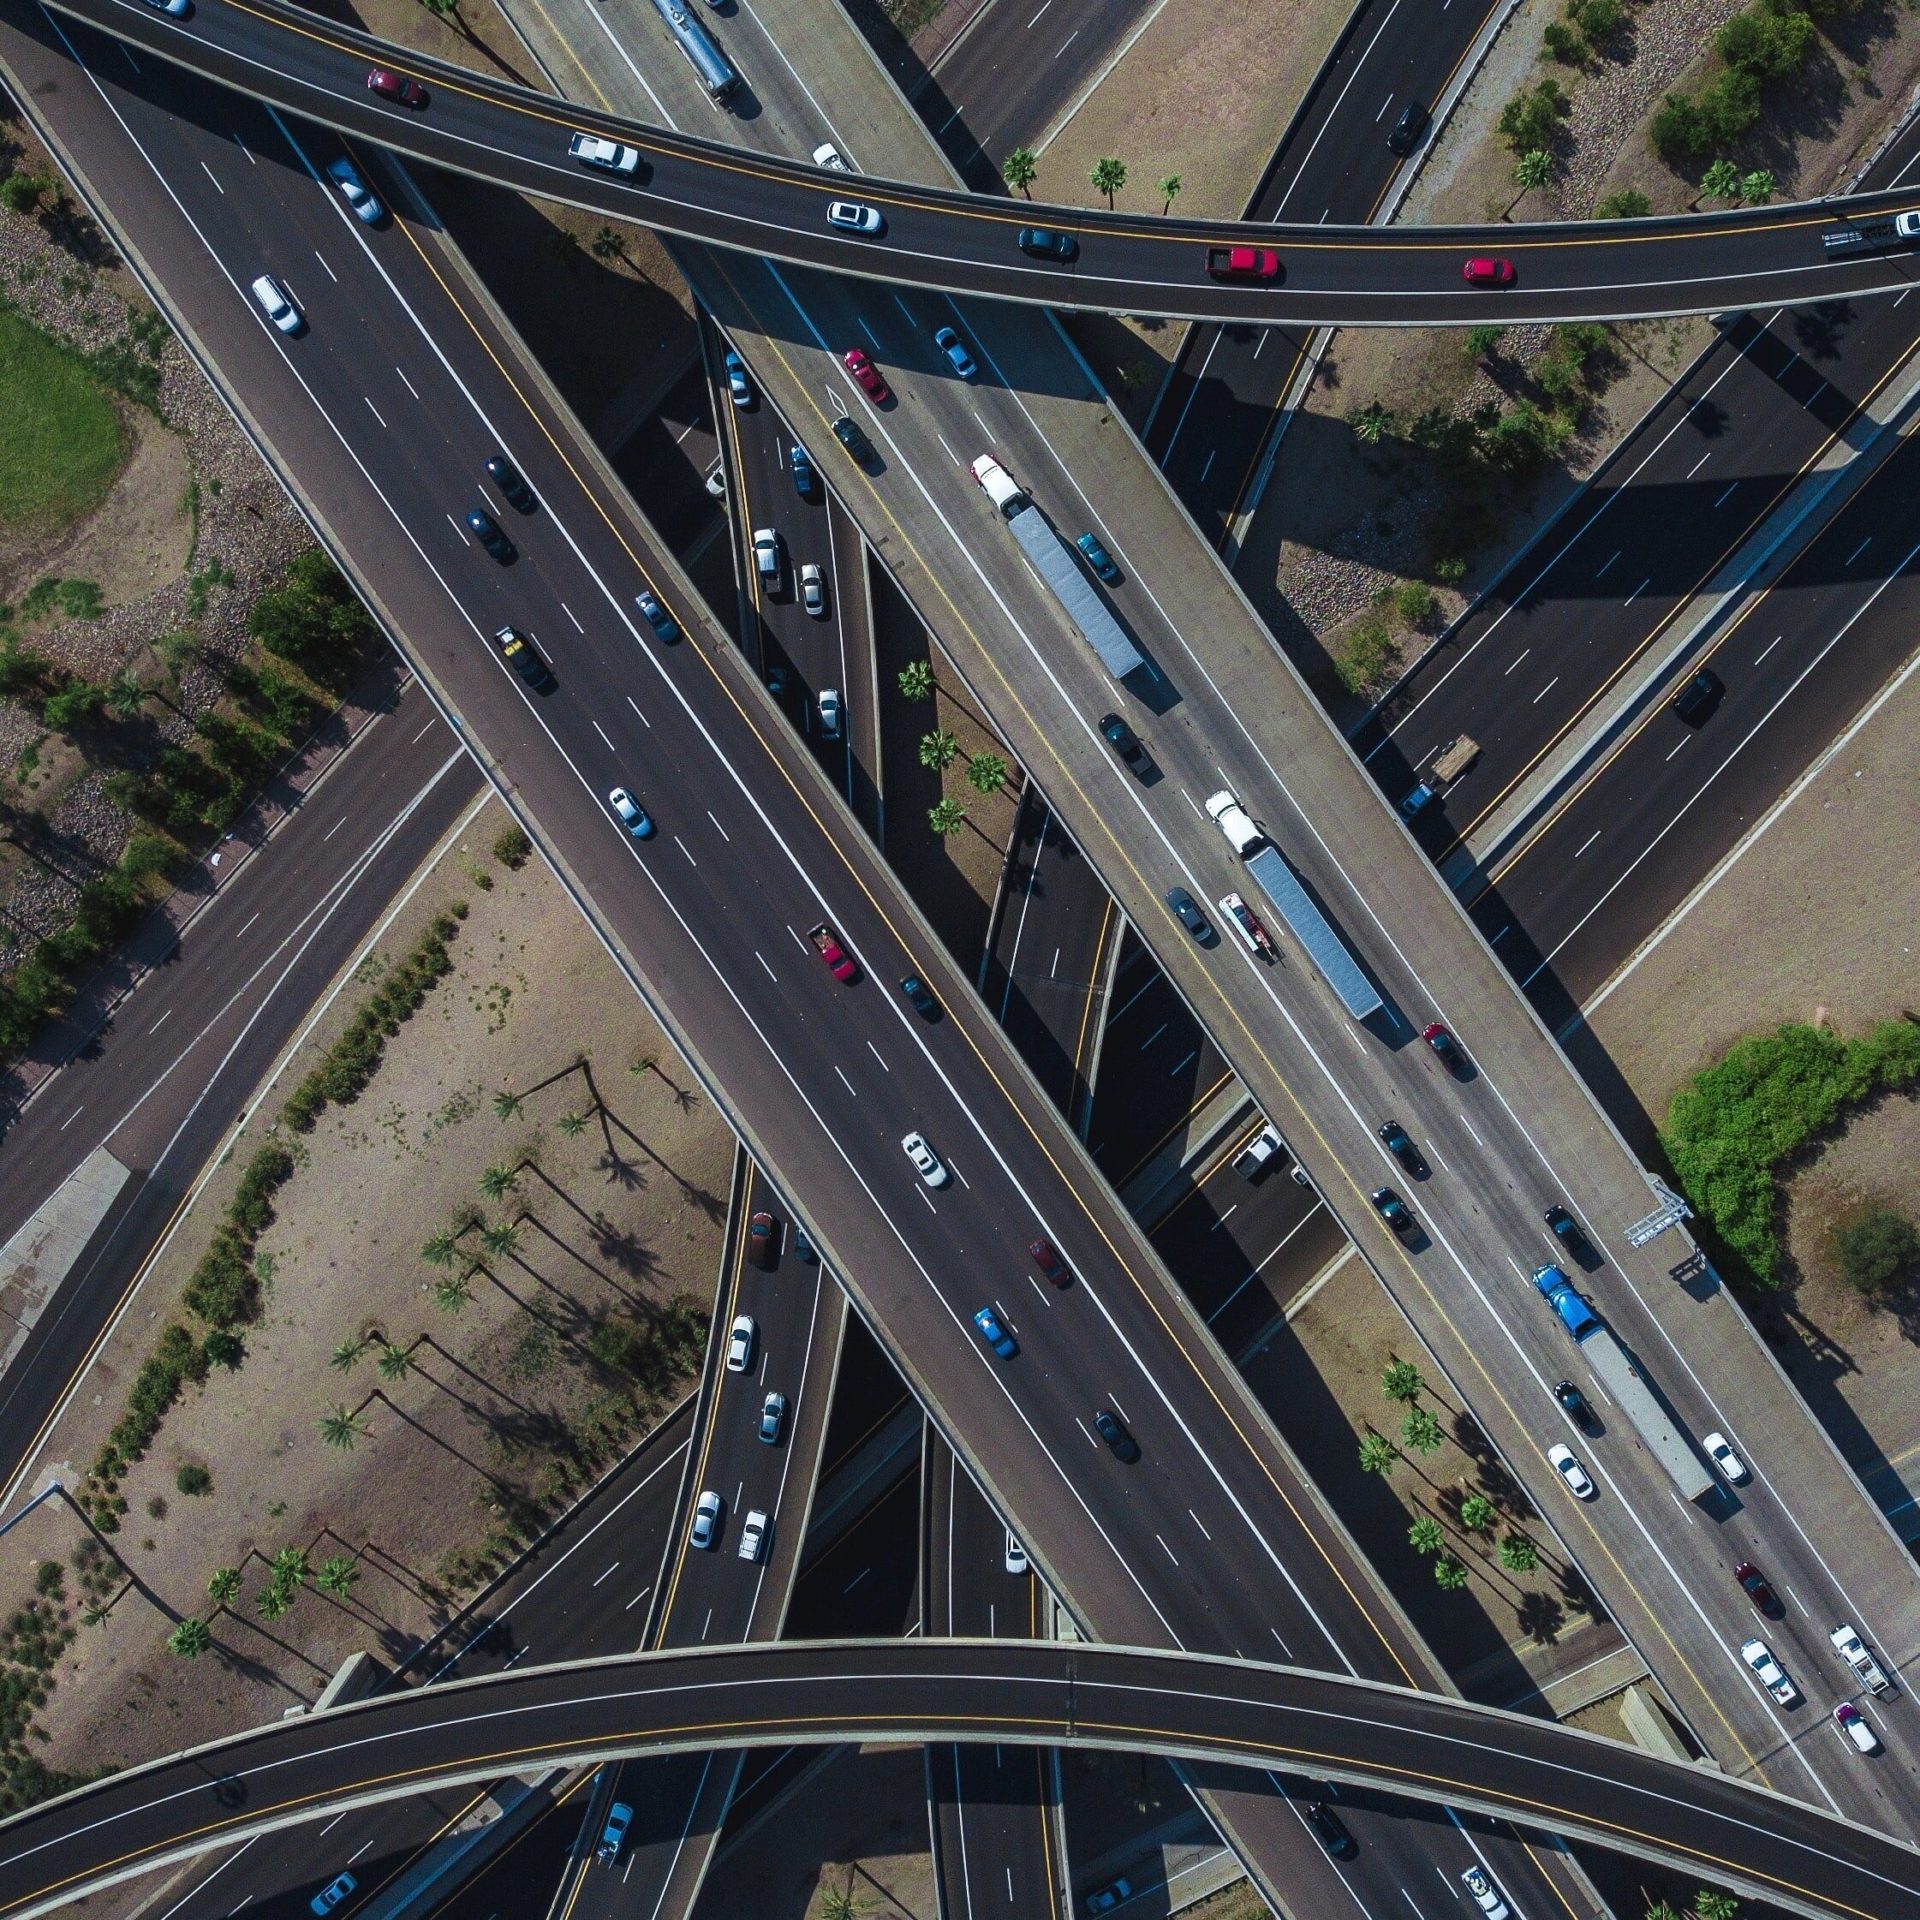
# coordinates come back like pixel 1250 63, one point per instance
pixel 868 1581
pixel 665 461
pixel 1156 1060
pixel 1643 546
pixel 852 614
pixel 1046 973
pixel 1762 1845
pixel 774 209
pixel 1482 1225
pixel 1665 806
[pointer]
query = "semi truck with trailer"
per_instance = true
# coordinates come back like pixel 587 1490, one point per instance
pixel 1316 934
pixel 1058 568
pixel 1622 1380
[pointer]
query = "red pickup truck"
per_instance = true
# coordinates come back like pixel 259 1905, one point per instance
pixel 832 952
pixel 1243 263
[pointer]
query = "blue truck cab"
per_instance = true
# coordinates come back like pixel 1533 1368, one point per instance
pixel 1564 1298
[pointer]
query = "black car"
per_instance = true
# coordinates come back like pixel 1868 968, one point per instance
pixel 1120 1442
pixel 486 529
pixel 1566 1229
pixel 1401 1146
pixel 1698 698
pixel 851 435
pixel 918 998
pixel 1408 128
pixel 519 653
pixel 1328 1829
pixel 1123 740
pixel 1180 901
pixel 1575 1403
pixel 1045 244
pixel 514 490
pixel 1392 1209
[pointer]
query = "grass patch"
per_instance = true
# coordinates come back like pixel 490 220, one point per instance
pixel 1729 1130
pixel 61 444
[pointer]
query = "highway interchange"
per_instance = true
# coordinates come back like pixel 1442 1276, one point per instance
pixel 573 505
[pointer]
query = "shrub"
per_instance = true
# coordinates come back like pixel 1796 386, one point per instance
pixel 73 705
pixel 1768 45
pixel 1483 340
pixel 513 847
pixel 1413 600
pixel 223 1348
pixel 1450 570
pixel 1599 20
pixel 192 1480
pixel 1628 204
pixel 224 1289
pixel 1564 44
pixel 1532 117
pixel 1676 131
pixel 1879 1250
pixel 1364 652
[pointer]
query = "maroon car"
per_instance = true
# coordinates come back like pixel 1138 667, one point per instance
pixel 1043 1256
pixel 1758 1591
pixel 867 374
pixel 396 86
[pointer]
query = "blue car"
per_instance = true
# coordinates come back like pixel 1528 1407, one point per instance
pixel 486 529
pixel 737 389
pixel 332 1894
pixel 801 462
pixel 656 616
pixel 994 1334
pixel 1098 558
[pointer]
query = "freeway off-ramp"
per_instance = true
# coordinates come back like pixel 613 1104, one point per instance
pixel 948 240
pixel 1240 1714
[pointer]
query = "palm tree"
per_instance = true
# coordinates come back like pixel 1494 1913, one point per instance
pixel 946 817
pixel 1427 1535
pixel 1518 1554
pixel 608 245
pixel 1710 1904
pixel 1721 181
pixel 988 772
pixel 1421 1430
pixel 191 1638
pixel 506 1105
pixel 440 1250
pixel 500 1240
pixel 393 1362
pixel 224 1587
pixel 453 1292
pixel 1018 170
pixel 916 680
pixel 289 1566
pixel 938 749
pixel 346 1356
pixel 125 695
pixel 573 1125
pixel 1401 1381
pixel 273 1603
pixel 1477 1513
pixel 1167 189
pixel 1756 188
pixel 1370 422
pixel 341 1428
pixel 1377 1454
pixel 497 1181
pixel 337 1575
pixel 1531 171
pixel 1449 1575
pixel 1108 176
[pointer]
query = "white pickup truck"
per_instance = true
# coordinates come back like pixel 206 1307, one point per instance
pixel 1853 1650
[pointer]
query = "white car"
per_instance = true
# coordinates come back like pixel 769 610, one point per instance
pixel 1234 821
pixel 926 1163
pixel 610 156
pixel 826 154
pixel 354 191
pixel 633 816
pixel 1560 1457
pixel 716 481
pixel 830 713
pixel 1906 225
pixel 766 555
pixel 1732 1468
pixel 813 590
pixel 277 304
pixel 753 1535
pixel 740 1341
pixel 854 217
pixel 1486 1896
pixel 1856 1726
pixel 1015 1560
pixel 1759 1657
pixel 706 1521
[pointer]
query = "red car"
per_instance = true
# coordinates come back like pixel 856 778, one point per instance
pixel 1758 1591
pixel 867 375
pixel 1443 1043
pixel 396 86
pixel 1486 270
pixel 1041 1253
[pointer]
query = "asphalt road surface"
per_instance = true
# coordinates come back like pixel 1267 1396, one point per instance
pixel 1671 1812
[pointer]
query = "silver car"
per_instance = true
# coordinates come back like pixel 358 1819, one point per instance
pixel 706 1521
pixel 354 191
pixel 277 304
pixel 813 590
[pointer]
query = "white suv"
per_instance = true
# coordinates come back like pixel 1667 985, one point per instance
pixel 1234 821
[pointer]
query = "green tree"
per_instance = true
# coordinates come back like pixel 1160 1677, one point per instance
pixel 125 695
pixel 223 1587
pixel 1532 117
pixel 394 1361
pixel 1018 170
pixel 506 1105
pixel 273 1603
pixel 1710 1904
pixel 1108 176
pixel 1421 1430
pixel 1661 1910
pixel 191 1638
pixel 501 1239
pixel 607 245
pixel 987 772
pixel 1484 340
pixel 938 750
pixel 346 1356
pixel 1518 1554
pixel 1477 1513
pixel 946 816
pixel 341 1428
pixel 1721 181
pixel 836 1905
pixel 1628 204
pixel 916 680
pixel 337 1575
pixel 1426 1535
pixel 1766 43
pixel 497 1182
pixel 1757 187
pixel 573 1125
pixel 1531 171
pixel 1372 422
pixel 1448 1574
pixel 1401 1382
pixel 1377 1454
pixel 1564 43
pixel 1877 1250
pixel 1168 190
pixel 289 1567
pixel 453 1293
pixel 440 1251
